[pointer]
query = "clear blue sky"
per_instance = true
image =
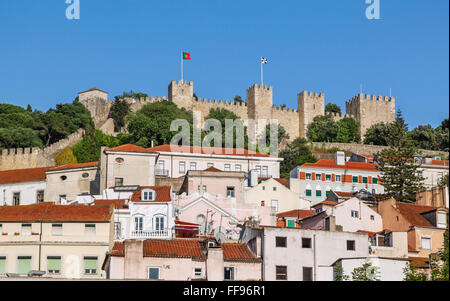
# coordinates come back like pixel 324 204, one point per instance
pixel 317 45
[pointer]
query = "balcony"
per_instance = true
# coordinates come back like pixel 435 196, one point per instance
pixel 162 172
pixel 150 234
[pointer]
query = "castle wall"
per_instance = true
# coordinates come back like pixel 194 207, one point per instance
pixel 289 119
pixel 310 105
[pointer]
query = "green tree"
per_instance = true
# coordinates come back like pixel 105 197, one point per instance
pixel 19 138
pixel 332 108
pixel 152 123
pixel 280 133
pixel 376 134
pixel 294 154
pixel 349 131
pixel 88 149
pixel 425 137
pixel 119 111
pixel 66 156
pixel 222 115
pixel 323 129
pixel 131 94
pixel 367 272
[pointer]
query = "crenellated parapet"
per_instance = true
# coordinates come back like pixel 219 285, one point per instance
pixel 368 97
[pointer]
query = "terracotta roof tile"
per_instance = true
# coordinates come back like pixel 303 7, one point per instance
pixel 284 182
pixel 297 213
pixel 118 204
pixel 238 252
pixel 48 212
pixel 348 165
pixel 130 148
pixel 23 175
pixel 413 214
pixel 212 168
pixel 162 194
pixel 208 150
pixel 74 166
pixel 439 162
pixel 419 262
pixel 326 202
pixel 344 194
pixel 175 248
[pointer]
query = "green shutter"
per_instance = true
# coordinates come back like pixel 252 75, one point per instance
pixel 327 193
pixel 318 192
pixel 355 179
pixel 374 180
pixel 365 180
pixel 291 224
pixel 24 265
pixel 2 265
pixel 90 263
pixel 308 192
pixel 54 263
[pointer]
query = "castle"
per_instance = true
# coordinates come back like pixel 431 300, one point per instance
pixel 366 109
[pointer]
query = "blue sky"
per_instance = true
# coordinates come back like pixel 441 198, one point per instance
pixel 317 45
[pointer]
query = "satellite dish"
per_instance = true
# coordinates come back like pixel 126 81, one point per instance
pixel 220 235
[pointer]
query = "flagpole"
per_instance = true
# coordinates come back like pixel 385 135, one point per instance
pixel 262 73
pixel 181 65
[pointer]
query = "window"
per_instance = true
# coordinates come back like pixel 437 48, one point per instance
pixel 193 166
pixel 355 179
pixel 89 229
pixel 117 230
pixel 355 214
pixel 338 178
pixel 258 170
pixel 228 273
pixel 274 189
pixel 327 193
pixel 182 167
pixel 307 274
pixel 119 160
pixel 138 223
pixel 350 245
pixel 85 175
pixel 23 265
pixel 425 243
pixel 372 218
pixel 227 167
pixel 440 176
pixel 275 205
pixel 308 176
pixel 442 220
pixel 118 182
pixel 26 229
pixel 280 242
pixel 90 265
pixel 159 223
pixel 230 192
pixel 198 272
pixel 318 177
pixel 63 178
pixel 2 265
pixel 40 196
pixel 161 165
pixel 319 210
pixel 54 265
pixel 57 229
pixel 374 180
pixel 1 228
pixel 238 167
pixel 153 273
pixel 264 188
pixel 306 243
pixel 308 192
pixel 328 178
pixel 365 180
pixel 318 192
pixel 210 165
pixel 265 172
pixel 148 195
pixel 291 223
pixel 16 198
pixel 281 272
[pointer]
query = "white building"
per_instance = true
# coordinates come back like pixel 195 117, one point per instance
pixel 383 269
pixel 303 255
pixel 318 179
pixel 22 186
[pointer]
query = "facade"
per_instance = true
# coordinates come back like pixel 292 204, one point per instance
pixel 182 260
pixel 318 179
pixel 432 170
pixel 425 225
pixel 434 197
pixel 67 242
pixel 22 186
pixel 276 193
pixel 385 269
pixel 176 161
pixel 291 254
pixel 366 109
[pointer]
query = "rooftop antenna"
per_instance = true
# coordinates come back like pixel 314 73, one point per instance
pixel 360 89
pixel 390 92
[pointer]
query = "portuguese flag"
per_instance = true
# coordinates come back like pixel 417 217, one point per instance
pixel 186 56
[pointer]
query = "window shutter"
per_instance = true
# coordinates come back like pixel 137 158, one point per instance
pixel 90 263
pixel 54 263
pixel 24 265
pixel 2 265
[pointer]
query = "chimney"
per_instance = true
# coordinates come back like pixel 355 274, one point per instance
pixel 134 258
pixel 339 158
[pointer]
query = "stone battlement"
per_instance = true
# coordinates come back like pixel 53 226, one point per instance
pixel 260 87
pixel 368 97
pixel 219 102
pixel 341 116
pixel 182 83
pixel 288 110
pixel 312 94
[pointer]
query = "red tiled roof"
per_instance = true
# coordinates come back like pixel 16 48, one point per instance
pixel 130 148
pixel 371 234
pixel 413 214
pixel 326 202
pixel 368 156
pixel 439 162
pixel 48 212
pixel 118 204
pixel 348 165
pixel 162 194
pixel 212 168
pixel 186 224
pixel 173 248
pixel 284 182
pixel 419 262
pixel 297 213
pixel 207 150
pixel 23 175
pixel 238 252
pixel 344 194
pixel 74 166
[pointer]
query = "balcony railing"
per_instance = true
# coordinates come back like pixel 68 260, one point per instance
pixel 150 234
pixel 162 172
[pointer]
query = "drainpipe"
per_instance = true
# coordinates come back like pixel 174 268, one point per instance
pixel 40 247
pixel 315 263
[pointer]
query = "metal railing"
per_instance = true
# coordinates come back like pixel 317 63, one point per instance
pixel 150 234
pixel 162 172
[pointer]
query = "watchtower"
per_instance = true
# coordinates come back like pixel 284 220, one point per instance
pixel 310 105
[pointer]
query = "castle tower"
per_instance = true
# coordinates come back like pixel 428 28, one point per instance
pixel 310 105
pixel 370 109
pixel 182 94
pixel 96 101
pixel 260 102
